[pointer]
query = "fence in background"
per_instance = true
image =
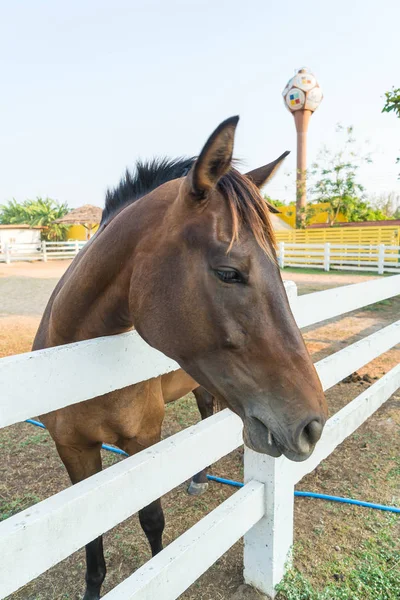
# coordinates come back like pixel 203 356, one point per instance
pixel 262 511
pixel 379 258
pixel 41 251
pixel 386 234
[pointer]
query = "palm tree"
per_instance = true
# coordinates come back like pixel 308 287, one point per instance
pixel 13 212
pixel 40 212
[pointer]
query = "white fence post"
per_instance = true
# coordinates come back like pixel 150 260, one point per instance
pixel 291 292
pixel 281 256
pixel 44 251
pixel 267 545
pixel 76 247
pixel 7 253
pixel 381 259
pixel 327 256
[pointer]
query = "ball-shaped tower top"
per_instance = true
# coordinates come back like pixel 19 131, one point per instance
pixel 302 92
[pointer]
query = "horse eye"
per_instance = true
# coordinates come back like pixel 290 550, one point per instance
pixel 229 276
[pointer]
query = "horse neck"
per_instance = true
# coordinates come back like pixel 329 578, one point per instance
pixel 93 299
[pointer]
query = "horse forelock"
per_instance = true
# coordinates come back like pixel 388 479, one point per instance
pixel 247 207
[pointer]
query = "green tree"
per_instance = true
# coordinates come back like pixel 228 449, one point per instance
pixel 388 203
pixel 40 212
pixel 276 203
pixel 392 101
pixel 334 181
pixel 363 211
pixel 11 213
pixel 392 104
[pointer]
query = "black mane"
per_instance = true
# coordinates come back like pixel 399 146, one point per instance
pixel 245 202
pixel 145 178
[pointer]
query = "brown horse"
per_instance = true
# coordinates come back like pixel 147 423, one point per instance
pixel 191 265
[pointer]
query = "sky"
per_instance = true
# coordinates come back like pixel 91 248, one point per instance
pixel 87 87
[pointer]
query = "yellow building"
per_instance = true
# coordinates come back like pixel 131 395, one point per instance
pixel 84 222
pixel 321 215
pixel 79 232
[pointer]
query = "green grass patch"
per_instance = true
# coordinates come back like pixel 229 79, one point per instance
pixel 8 509
pixel 394 472
pixel 378 305
pixel 40 437
pixel 6 443
pixel 183 411
pixel 312 271
pixel 369 573
pixel 110 458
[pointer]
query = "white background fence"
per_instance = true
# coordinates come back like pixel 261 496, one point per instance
pixel 262 511
pixel 376 258
pixel 379 258
pixel 41 251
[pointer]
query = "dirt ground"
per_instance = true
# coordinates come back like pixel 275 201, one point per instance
pixel 366 466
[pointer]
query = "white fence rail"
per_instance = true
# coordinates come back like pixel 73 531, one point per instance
pixel 377 258
pixel 46 533
pixel 41 251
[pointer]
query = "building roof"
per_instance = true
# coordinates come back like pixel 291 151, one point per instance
pixel 21 226
pixel 387 222
pixel 84 215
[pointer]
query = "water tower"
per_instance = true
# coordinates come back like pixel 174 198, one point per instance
pixel 302 96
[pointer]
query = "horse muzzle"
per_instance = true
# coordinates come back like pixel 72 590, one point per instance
pixel 296 447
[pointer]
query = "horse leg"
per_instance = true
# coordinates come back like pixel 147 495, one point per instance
pixel 152 520
pixel 205 404
pixel 151 517
pixel 82 462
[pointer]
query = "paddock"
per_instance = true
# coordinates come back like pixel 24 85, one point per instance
pixel 33 467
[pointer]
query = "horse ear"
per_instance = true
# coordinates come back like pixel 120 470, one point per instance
pixel 261 175
pixel 214 160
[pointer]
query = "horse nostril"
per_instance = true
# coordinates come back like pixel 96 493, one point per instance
pixel 313 431
pixel 310 435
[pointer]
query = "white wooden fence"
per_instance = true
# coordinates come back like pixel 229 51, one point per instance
pixel 378 258
pixel 38 538
pixel 41 251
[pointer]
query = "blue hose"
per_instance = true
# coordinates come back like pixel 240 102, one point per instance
pixel 315 495
pixel 237 484
pixel 113 449
pixel 348 501
pixel 225 481
pixel 37 423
